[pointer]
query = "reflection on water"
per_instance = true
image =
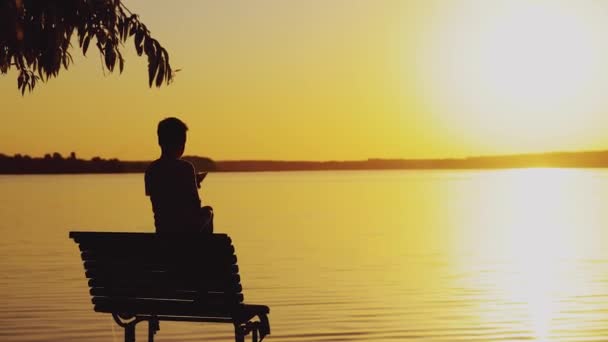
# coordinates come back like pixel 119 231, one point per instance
pixel 338 256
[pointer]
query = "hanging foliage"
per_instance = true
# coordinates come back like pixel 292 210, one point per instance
pixel 36 37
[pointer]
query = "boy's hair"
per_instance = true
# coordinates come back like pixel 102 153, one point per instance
pixel 171 132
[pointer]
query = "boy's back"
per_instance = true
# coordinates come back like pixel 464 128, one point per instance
pixel 171 185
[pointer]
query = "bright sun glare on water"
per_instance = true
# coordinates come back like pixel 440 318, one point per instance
pixel 539 247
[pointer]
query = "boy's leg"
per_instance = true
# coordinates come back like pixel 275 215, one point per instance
pixel 207 219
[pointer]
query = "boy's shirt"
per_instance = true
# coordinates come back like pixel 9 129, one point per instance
pixel 171 185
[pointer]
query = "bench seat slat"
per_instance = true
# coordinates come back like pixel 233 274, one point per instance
pixel 151 247
pixel 201 299
pixel 167 293
pixel 159 293
pixel 123 247
pixel 207 269
pixel 159 241
pixel 161 275
pixel 143 259
pixel 155 255
pixel 166 283
pixel 172 307
pixel 93 237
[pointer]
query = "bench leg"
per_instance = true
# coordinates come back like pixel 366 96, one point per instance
pixel 130 333
pixel 153 327
pixel 239 334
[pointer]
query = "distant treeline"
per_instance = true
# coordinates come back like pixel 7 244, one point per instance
pixel 593 159
pixel 56 163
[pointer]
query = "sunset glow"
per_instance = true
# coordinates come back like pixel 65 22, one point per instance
pixel 316 80
pixel 525 71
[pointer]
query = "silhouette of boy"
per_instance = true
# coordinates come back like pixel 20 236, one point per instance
pixel 172 184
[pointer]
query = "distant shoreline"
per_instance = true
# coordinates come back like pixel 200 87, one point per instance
pixel 57 164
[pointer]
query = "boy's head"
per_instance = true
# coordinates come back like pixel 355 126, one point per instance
pixel 172 136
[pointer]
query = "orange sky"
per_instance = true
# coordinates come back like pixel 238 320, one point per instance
pixel 326 80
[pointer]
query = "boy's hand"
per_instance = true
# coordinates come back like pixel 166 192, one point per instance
pixel 199 178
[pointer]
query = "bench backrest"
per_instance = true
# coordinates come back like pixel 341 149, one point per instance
pixel 146 267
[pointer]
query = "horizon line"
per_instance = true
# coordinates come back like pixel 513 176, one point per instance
pixel 515 154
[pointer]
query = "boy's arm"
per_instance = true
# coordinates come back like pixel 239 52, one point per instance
pixel 147 183
pixel 192 186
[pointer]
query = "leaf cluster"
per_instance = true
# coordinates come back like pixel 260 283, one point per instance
pixel 36 37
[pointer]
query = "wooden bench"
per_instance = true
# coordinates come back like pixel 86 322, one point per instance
pixel 168 277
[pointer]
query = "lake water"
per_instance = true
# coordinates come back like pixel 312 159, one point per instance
pixel 503 255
